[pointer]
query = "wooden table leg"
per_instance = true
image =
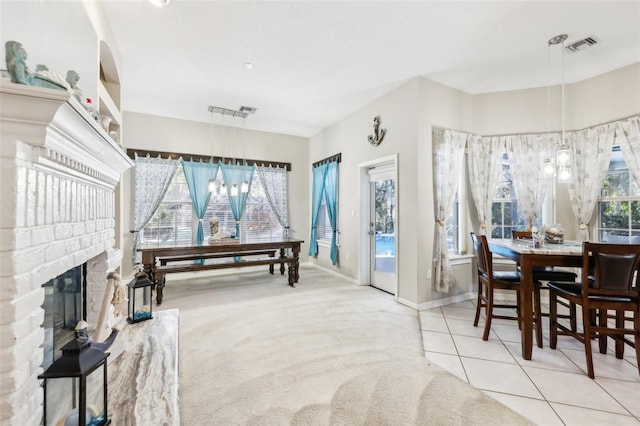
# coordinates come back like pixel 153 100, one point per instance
pixel 526 307
pixel 292 274
pixel 282 256
pixel 159 288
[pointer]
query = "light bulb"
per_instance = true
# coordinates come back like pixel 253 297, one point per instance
pixel 563 156
pixel 212 185
pixel 223 189
pixel 548 168
pixel 234 190
pixel 564 175
pixel 244 187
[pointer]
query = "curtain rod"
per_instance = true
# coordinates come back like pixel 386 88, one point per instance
pixel 336 157
pixel 196 157
pixel 545 132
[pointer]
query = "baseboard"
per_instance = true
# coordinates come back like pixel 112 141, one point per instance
pixel 335 273
pixel 405 302
pixel 446 301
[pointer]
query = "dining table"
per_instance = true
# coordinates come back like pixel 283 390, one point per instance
pixel 528 256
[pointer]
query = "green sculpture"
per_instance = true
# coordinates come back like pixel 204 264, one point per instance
pixel 16 58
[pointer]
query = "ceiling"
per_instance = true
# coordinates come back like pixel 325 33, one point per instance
pixel 316 61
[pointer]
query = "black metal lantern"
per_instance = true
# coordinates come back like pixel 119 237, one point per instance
pixel 75 385
pixel 140 293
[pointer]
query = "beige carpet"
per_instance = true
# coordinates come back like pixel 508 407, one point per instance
pixel 254 351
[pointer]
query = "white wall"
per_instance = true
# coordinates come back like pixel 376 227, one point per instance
pixel 398 114
pixel 410 112
pixel 37 24
pixel 155 133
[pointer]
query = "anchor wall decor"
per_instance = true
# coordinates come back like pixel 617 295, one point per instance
pixel 378 133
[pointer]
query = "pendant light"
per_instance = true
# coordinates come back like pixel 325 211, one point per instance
pixel 212 182
pixel 244 186
pixel 563 153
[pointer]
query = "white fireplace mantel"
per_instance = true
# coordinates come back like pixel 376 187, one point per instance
pixel 57 123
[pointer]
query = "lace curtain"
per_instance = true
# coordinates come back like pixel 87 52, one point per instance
pixel 448 158
pixel 590 155
pixel 152 179
pixel 485 162
pixel 527 154
pixel 628 137
pixel 274 182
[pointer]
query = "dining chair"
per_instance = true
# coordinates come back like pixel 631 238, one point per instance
pixel 549 273
pixel 490 280
pixel 607 284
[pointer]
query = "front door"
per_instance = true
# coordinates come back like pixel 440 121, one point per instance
pixel 382 227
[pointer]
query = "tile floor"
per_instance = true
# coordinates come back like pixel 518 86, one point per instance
pixel 550 389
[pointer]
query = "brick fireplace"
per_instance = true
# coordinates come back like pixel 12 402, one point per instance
pixel 59 172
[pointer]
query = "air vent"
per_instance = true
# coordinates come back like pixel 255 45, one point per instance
pixel 248 109
pixel 227 111
pixel 581 44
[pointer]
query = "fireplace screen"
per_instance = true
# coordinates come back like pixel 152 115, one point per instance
pixel 63 308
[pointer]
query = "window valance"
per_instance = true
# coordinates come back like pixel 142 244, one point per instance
pixel 206 158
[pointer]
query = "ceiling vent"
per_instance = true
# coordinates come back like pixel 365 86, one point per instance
pixel 581 44
pixel 227 111
pixel 248 109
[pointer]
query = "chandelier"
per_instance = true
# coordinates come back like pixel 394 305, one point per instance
pixel 562 158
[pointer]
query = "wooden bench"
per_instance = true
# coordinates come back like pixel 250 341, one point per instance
pixel 169 265
pixel 203 256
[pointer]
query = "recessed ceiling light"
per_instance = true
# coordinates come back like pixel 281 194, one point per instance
pixel 160 3
pixel 248 66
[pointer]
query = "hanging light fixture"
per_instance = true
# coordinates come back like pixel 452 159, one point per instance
pixel 563 153
pixel 244 186
pixel 212 181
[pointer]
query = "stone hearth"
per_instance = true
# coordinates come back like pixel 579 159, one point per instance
pixel 59 172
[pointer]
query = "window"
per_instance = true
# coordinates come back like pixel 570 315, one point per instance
pixel 175 221
pixel 324 224
pixel 453 228
pixel 619 204
pixel 505 215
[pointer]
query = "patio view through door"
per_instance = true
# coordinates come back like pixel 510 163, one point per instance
pixel 382 227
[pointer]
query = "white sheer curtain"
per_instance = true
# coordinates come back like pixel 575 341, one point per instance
pixel 527 154
pixel 152 179
pixel 485 161
pixel 448 157
pixel 628 137
pixel 274 182
pixel 590 155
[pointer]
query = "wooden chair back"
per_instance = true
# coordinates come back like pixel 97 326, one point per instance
pixel 483 255
pixel 615 269
pixel 521 235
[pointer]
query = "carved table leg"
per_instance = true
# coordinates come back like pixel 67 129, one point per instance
pixel 292 274
pixel 159 288
pixel 282 256
pixel 273 254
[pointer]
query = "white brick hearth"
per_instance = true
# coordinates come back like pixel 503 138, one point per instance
pixel 58 173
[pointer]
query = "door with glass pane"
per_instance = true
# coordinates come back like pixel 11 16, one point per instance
pixel 382 228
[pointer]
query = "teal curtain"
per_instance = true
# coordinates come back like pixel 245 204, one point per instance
pixel 234 175
pixel 198 175
pixel 319 174
pixel 331 200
